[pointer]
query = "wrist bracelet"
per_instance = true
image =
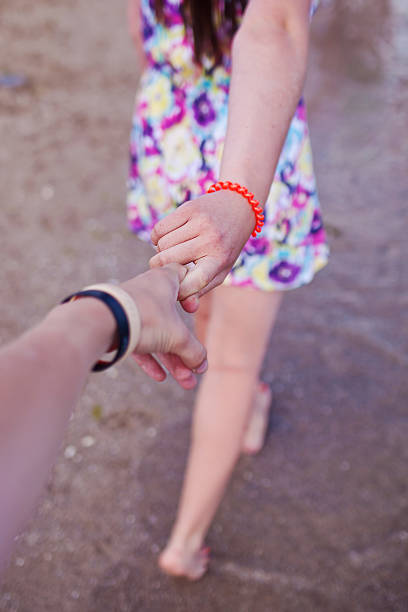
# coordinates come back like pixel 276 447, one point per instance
pixel 126 316
pixel 256 207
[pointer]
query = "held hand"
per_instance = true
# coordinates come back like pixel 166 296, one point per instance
pixel 163 330
pixel 209 231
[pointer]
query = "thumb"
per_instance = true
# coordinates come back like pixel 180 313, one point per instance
pixel 199 277
pixel 191 352
pixel 191 304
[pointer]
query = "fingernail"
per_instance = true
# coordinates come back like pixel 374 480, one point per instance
pixel 202 368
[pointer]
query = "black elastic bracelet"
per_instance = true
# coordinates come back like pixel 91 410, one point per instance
pixel 121 321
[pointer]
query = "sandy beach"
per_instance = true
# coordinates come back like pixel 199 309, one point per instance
pixel 318 522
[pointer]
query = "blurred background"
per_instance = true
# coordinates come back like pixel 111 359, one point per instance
pixel 319 520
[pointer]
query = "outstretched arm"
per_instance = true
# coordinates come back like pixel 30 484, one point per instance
pixel 269 57
pixel 43 372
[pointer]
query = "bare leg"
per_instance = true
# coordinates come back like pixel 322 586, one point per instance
pixel 255 432
pixel 202 317
pixel 254 436
pixel 238 330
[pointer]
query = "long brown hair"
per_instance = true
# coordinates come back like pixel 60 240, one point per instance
pixel 204 18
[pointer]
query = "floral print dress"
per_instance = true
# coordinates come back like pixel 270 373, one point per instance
pixel 177 137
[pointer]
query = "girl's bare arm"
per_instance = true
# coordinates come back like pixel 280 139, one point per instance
pixel 135 29
pixel 269 58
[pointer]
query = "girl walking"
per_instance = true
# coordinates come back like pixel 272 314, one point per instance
pixel 220 102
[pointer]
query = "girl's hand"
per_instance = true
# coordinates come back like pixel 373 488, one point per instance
pixel 210 232
pixel 164 336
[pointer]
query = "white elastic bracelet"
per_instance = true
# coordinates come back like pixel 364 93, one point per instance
pixel 132 314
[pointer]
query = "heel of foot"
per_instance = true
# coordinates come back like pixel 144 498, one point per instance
pixel 184 564
pixel 170 563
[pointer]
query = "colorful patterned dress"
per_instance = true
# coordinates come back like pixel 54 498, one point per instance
pixel 178 131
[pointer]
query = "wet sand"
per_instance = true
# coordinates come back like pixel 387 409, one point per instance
pixel 318 521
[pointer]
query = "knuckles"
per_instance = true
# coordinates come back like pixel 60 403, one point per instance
pixel 203 277
pixel 158 260
pixel 162 244
pixel 162 259
pixel 159 230
pixel 207 227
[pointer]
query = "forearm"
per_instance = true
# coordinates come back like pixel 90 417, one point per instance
pixel 268 68
pixel 41 377
pixel 269 59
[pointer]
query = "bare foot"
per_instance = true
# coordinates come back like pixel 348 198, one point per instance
pixel 254 436
pixel 184 563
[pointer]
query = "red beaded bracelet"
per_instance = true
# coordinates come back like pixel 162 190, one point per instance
pixel 256 207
